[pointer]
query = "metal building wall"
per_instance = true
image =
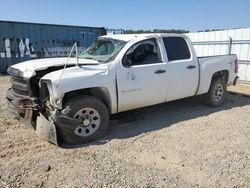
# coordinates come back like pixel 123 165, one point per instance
pixel 23 41
pixel 114 31
pixel 218 43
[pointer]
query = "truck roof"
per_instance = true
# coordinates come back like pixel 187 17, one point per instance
pixel 128 37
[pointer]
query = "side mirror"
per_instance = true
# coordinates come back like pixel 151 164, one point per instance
pixel 126 62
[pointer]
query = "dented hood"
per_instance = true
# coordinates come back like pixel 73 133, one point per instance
pixel 29 68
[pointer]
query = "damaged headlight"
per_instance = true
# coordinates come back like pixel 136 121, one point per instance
pixel 14 72
pixel 46 92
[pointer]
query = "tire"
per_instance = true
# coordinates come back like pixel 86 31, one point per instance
pixel 217 92
pixel 93 116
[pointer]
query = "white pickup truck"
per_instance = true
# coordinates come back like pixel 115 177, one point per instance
pixel 73 101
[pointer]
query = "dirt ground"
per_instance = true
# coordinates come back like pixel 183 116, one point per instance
pixel 241 89
pixel 178 144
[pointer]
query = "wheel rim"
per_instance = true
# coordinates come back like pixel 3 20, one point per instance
pixel 218 92
pixel 89 120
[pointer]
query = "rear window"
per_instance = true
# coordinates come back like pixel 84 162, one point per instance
pixel 177 48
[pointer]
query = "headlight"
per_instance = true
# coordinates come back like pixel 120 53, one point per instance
pixel 14 72
pixel 46 92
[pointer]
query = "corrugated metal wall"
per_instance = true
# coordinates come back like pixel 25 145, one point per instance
pixel 218 43
pixel 114 31
pixel 23 41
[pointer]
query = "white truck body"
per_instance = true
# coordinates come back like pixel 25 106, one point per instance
pixel 130 87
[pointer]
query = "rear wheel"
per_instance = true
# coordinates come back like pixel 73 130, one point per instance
pixel 217 92
pixel 92 115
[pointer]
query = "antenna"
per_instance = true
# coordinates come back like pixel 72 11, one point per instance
pixel 77 58
pixel 65 64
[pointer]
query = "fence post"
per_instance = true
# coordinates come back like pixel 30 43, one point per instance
pixel 230 45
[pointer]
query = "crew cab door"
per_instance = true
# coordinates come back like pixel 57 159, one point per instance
pixel 182 66
pixel 141 76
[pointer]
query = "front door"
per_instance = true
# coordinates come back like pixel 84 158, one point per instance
pixel 141 77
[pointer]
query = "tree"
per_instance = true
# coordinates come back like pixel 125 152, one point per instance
pixel 130 31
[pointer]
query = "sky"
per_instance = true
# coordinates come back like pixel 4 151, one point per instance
pixel 192 15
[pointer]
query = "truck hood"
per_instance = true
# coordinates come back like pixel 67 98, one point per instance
pixel 28 68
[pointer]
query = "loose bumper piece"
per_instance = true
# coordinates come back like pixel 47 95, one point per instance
pixel 46 129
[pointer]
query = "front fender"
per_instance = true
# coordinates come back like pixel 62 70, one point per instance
pixel 78 78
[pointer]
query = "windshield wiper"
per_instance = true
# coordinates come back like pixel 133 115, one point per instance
pixel 99 61
pixel 89 58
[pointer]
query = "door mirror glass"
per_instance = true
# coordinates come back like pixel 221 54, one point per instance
pixel 126 62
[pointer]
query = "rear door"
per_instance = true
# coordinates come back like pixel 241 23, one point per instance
pixel 182 68
pixel 141 76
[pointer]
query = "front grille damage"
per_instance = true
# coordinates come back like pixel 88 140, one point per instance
pixel 20 102
pixel 29 100
pixel 20 87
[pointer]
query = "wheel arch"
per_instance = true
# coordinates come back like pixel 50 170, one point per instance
pixel 224 74
pixel 218 74
pixel 101 93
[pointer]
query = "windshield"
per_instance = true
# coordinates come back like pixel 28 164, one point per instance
pixel 103 50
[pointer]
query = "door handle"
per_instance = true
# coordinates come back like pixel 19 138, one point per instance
pixel 191 67
pixel 160 71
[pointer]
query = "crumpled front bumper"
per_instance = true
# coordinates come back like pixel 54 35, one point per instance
pixel 45 127
pixel 21 108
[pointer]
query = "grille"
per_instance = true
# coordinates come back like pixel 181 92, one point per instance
pixel 20 86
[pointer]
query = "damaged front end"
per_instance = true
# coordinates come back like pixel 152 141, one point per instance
pixel 20 102
pixel 26 102
pixel 45 125
pixel 50 120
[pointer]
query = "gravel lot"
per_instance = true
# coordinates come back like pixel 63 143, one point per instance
pixel 178 144
pixel 241 89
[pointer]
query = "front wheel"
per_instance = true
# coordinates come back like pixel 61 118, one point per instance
pixel 217 92
pixel 92 115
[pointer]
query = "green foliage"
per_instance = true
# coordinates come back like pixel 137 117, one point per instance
pixel 208 30
pixel 130 31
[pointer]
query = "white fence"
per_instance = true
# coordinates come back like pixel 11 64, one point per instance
pixel 233 41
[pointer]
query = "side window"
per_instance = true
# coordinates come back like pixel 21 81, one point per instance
pixel 141 53
pixel 176 48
